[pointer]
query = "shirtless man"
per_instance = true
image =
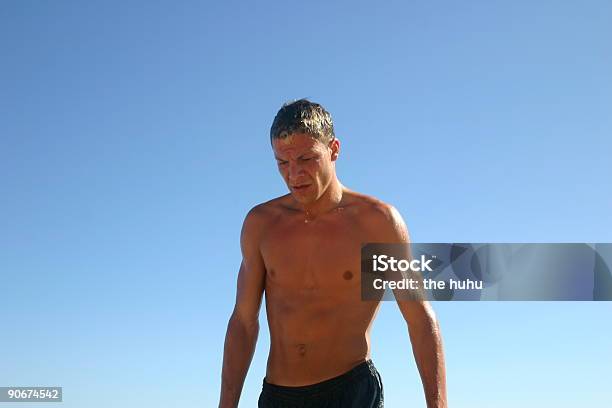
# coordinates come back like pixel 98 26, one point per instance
pixel 303 251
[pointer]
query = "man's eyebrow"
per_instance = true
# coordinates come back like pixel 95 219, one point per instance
pixel 301 156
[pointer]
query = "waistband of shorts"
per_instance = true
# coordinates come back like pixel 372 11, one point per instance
pixel 367 367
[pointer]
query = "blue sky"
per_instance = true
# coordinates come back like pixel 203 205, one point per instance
pixel 134 139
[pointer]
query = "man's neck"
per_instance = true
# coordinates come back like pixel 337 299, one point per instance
pixel 330 199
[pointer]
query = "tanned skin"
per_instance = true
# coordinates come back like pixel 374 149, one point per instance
pixel 303 249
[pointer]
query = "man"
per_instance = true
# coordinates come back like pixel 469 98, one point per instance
pixel 303 250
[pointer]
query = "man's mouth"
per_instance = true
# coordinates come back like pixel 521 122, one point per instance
pixel 301 186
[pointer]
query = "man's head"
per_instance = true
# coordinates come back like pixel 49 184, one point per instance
pixel 303 116
pixel 305 148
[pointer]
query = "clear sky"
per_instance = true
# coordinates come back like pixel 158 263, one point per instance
pixel 134 139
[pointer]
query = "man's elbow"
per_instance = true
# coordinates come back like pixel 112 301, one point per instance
pixel 246 324
pixel 422 316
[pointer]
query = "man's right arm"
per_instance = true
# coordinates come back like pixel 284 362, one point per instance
pixel 243 326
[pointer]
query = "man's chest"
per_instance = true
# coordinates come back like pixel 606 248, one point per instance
pixel 320 254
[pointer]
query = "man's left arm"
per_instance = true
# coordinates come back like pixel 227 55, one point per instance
pixel 426 340
pixel 423 327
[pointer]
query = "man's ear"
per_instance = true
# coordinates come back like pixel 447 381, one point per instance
pixel 334 145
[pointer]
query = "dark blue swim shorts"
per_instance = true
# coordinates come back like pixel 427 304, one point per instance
pixel 360 387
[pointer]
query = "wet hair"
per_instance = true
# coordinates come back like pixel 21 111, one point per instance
pixel 303 116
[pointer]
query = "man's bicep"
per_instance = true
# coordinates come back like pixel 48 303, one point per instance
pixel 251 276
pixel 249 293
pixel 412 299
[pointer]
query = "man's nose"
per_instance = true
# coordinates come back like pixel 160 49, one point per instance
pixel 295 171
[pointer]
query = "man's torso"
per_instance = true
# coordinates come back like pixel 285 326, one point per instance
pixel 319 327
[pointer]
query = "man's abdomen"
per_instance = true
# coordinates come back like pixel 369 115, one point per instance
pixel 314 341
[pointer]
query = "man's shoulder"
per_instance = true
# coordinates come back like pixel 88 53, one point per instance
pixel 372 208
pixel 259 219
pixel 379 217
pixel 267 211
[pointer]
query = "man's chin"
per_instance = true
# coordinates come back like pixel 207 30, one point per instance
pixel 303 199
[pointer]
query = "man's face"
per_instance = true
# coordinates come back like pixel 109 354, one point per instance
pixel 306 164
